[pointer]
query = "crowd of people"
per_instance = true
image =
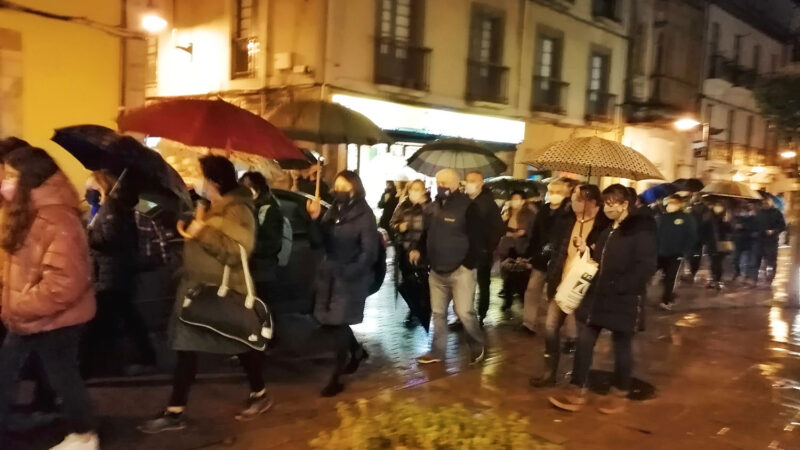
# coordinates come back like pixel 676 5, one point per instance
pixel 67 276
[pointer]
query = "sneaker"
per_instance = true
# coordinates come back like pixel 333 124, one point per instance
pixel 665 306
pixel 477 358
pixel 571 398
pixel 255 406
pixel 75 441
pixel 429 358
pixel 614 403
pixel 165 421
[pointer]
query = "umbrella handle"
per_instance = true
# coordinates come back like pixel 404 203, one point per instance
pixel 119 181
pixel 319 177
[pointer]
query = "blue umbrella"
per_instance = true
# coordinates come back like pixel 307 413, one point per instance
pixel 658 192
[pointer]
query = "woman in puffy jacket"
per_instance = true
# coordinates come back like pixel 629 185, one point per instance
pixel 47 286
pixel 408 223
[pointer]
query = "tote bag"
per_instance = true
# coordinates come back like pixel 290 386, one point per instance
pixel 576 283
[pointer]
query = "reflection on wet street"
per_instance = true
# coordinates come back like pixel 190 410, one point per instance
pixel 720 371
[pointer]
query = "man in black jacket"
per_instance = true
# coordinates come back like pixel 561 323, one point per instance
pixel 492 229
pixel 452 237
pixel 539 249
pixel 269 231
pixel 584 221
pixel 676 234
pixel 771 224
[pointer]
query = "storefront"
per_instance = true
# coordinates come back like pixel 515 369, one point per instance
pixel 413 126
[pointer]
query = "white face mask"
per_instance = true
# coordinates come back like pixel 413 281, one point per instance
pixel 671 208
pixel 613 212
pixel 515 204
pixel 471 189
pixel 416 197
pixel 719 209
pixel 555 199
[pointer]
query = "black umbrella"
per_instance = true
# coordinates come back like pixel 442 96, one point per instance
pixel 298 164
pixel 688 184
pixel 101 148
pixel 414 290
pixel 503 187
pixel 462 155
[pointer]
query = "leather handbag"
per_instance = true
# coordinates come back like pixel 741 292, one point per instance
pixel 242 318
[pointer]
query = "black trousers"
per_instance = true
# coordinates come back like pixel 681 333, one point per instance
pixel 695 256
pixel 346 345
pixel 57 351
pixel 116 318
pixel 669 266
pixel 766 252
pixel 623 356
pixel 186 372
pixel 717 260
pixel 484 267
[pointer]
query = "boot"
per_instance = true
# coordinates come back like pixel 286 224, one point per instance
pixel 614 403
pixel 548 378
pixel 572 398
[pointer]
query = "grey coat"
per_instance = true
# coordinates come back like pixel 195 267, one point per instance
pixel 229 222
pixel 344 278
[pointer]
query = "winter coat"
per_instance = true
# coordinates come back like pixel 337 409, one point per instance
pixel 113 241
pixel 745 232
pixel 229 222
pixel 716 229
pixel 514 246
pixel 699 211
pixel 539 247
pixel 344 277
pixel 47 283
pixel 627 259
pixel 676 234
pixel 492 226
pixel 453 233
pixel 414 216
pixel 269 239
pixel 388 204
pixel 562 231
pixel 770 219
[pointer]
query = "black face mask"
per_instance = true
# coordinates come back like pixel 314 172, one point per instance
pixel 340 197
pixel 93 197
pixel 442 193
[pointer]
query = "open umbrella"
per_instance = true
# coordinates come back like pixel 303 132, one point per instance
pixel 594 156
pixel 658 192
pixel 462 155
pixel 99 148
pixel 298 164
pixel 732 189
pixel 326 123
pixel 502 187
pixel 688 184
pixel 210 123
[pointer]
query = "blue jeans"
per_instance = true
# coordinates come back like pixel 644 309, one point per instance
pixel 458 286
pixel 57 351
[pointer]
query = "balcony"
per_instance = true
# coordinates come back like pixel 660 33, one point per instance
pixel 399 64
pixel 243 57
pixel 722 68
pixel 549 95
pixel 487 82
pixel 600 106
pixel 744 77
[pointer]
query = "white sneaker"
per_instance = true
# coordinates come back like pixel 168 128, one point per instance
pixel 75 441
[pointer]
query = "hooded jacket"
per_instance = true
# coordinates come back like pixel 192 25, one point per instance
pixel 47 283
pixel 627 258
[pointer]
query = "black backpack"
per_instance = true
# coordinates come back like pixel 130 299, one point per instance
pixel 379 268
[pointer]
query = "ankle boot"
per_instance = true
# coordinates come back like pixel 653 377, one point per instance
pixel 548 378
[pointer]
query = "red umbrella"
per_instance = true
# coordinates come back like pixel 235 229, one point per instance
pixel 210 123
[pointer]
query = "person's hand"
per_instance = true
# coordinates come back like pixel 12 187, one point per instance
pixel 192 230
pixel 200 211
pixel 403 227
pixel 413 256
pixel 579 243
pixel 313 208
pixel 770 232
pixel 509 233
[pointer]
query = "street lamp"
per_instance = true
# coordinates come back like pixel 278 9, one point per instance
pixel 788 154
pixel 152 22
pixel 686 124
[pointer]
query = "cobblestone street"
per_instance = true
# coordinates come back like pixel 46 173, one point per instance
pixel 724 366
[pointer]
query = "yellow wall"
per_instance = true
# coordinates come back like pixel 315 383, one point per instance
pixel 71 73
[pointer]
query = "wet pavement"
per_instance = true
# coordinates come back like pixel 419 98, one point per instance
pixel 725 368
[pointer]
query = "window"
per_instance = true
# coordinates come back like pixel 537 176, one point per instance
pixel 737 48
pixel 605 8
pixel 152 61
pixel 548 89
pixel 756 58
pixel 598 73
pixel 599 100
pixel 714 38
pixel 244 45
pixel 399 58
pixel 487 78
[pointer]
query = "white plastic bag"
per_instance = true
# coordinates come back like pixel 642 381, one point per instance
pixel 576 283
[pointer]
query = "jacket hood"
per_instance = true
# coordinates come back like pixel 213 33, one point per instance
pixel 635 223
pixel 56 191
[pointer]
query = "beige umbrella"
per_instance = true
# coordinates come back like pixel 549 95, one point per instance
pixel 732 189
pixel 594 156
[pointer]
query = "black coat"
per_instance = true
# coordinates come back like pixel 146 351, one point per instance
pixel 560 245
pixel 540 245
pixel 627 258
pixel 715 229
pixel 113 241
pixel 453 233
pixel 492 227
pixel 344 278
pixel 745 232
pixel 676 233
pixel 770 219
pixel 388 203
pixel 269 239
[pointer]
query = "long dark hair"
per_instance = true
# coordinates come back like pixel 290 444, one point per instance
pixel 221 171
pixel 359 193
pixel 35 167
